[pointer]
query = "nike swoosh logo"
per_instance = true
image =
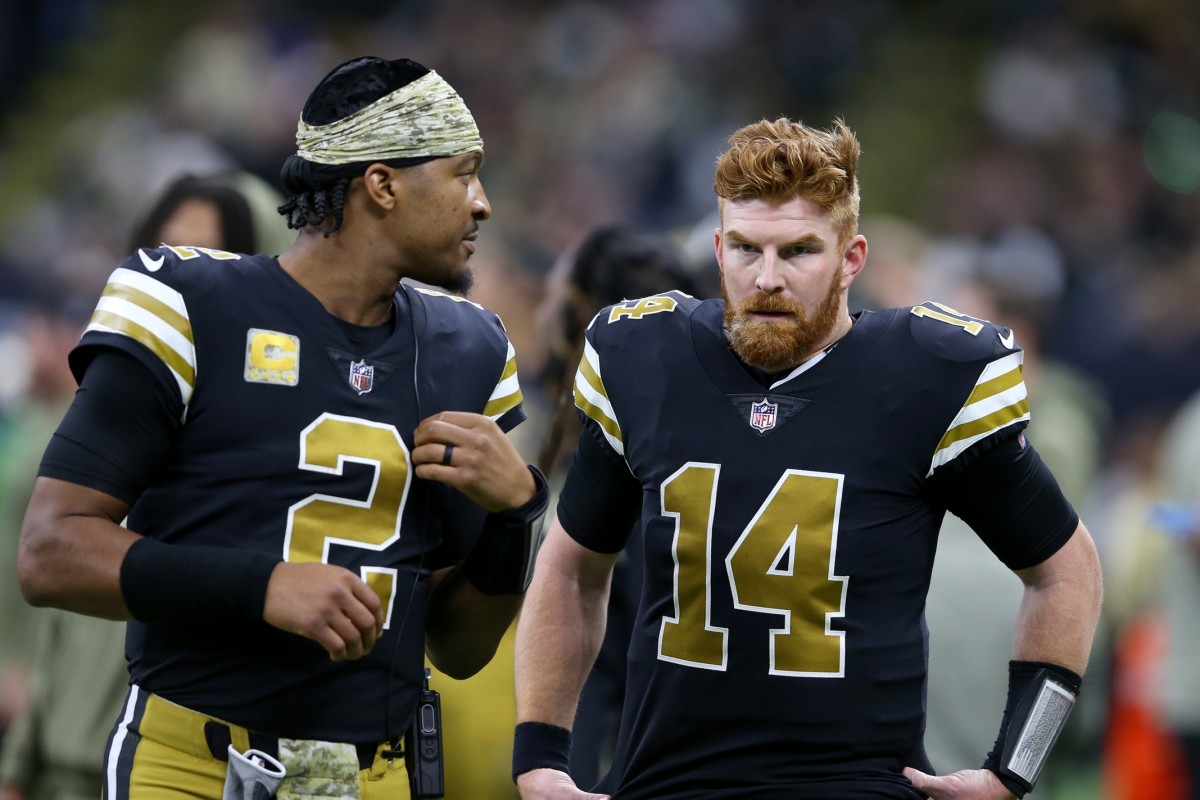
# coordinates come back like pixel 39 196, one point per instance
pixel 151 264
pixel 1007 341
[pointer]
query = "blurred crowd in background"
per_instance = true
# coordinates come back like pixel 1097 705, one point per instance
pixel 1033 162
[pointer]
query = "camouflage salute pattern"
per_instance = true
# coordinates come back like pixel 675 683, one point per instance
pixel 297 443
pixel 318 769
pixel 424 118
pixel 789 535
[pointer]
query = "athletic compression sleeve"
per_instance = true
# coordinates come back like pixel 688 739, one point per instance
pixel 118 429
pixel 1009 497
pixel 601 499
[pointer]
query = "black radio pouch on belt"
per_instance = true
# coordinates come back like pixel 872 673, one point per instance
pixel 423 746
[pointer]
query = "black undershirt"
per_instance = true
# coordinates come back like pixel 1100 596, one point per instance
pixel 366 338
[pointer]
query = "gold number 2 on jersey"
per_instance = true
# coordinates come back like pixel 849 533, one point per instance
pixel 320 520
pixel 782 564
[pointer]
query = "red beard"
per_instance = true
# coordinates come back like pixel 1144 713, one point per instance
pixel 782 345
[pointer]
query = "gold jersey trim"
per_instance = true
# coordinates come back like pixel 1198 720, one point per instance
pixel 998 400
pixel 592 399
pixel 507 394
pixel 154 315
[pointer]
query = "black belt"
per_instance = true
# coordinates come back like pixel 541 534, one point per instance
pixel 218 738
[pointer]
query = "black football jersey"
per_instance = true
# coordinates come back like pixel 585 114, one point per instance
pixel 296 443
pixel 780 648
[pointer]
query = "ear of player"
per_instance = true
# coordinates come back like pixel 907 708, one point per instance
pixel 502 560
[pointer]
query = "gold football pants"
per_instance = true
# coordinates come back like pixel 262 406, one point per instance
pixel 163 751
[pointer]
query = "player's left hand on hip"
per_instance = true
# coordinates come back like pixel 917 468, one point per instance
pixel 470 452
pixel 969 784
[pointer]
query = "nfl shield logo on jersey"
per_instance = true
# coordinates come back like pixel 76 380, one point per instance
pixel 362 376
pixel 763 415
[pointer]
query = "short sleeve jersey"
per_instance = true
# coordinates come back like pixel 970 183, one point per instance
pixel 789 536
pixel 295 443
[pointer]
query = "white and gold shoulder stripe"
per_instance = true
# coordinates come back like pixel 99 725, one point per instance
pixel 998 400
pixel 152 313
pixel 592 399
pixel 507 394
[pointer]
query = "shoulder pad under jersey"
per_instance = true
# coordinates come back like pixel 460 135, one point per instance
pixel 998 399
pixel 617 331
pixel 644 307
pixel 952 335
pixel 145 301
pixel 455 317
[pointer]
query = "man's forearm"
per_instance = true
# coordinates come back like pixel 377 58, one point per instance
pixel 1051 643
pixel 561 629
pixel 72 548
pixel 464 626
pixel 1061 607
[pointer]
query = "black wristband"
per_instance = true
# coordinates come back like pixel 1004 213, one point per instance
pixel 533 508
pixel 540 745
pixel 163 582
pixel 502 560
pixel 1040 696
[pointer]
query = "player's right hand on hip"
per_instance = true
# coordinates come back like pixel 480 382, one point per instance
pixel 967 784
pixel 326 603
pixel 552 784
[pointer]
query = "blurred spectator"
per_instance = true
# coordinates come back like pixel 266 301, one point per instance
pixel 43 386
pixel 1139 757
pixel 612 263
pixel 200 213
pixel 1178 517
pixel 79 676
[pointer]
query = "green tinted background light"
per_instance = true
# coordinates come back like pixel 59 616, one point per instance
pixel 1172 149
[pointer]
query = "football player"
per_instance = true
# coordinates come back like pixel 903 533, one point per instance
pixel 789 465
pixel 310 461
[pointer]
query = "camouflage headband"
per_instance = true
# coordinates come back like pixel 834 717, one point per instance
pixel 424 118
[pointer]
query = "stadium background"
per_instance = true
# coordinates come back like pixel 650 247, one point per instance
pixel 1023 157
